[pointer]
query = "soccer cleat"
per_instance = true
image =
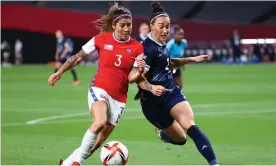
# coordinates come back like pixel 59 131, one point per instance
pixel 75 83
pixel 75 163
pixel 157 130
pixel 60 162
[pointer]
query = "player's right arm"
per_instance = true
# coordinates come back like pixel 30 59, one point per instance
pixel 142 82
pixel 73 61
pixel 157 90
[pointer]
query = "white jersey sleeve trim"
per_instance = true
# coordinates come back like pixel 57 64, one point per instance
pixel 147 67
pixel 89 47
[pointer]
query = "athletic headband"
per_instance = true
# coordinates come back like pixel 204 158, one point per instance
pixel 163 14
pixel 120 16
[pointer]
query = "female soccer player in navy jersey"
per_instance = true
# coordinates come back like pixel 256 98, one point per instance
pixel 171 112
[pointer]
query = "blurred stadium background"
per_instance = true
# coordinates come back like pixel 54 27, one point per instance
pixel 234 102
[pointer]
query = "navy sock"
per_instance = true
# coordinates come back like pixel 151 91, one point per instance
pixel 74 74
pixel 203 144
pixel 168 139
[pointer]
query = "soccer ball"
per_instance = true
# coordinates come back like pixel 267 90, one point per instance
pixel 114 153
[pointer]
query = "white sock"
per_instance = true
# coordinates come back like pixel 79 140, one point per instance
pixel 69 160
pixel 80 154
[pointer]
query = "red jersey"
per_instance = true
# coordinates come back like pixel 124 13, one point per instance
pixel 116 60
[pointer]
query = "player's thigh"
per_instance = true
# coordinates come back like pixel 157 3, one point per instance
pixel 98 105
pixel 115 111
pixel 156 114
pixel 175 132
pixel 183 114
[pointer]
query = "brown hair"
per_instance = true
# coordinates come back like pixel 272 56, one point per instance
pixel 104 24
pixel 178 29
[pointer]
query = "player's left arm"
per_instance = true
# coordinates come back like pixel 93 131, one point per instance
pixel 137 69
pixel 72 61
pixel 138 66
pixel 177 62
pixel 134 74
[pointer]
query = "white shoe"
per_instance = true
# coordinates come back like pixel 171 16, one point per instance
pixel 158 131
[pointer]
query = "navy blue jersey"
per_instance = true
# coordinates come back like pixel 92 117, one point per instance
pixel 61 46
pixel 158 64
pixel 157 108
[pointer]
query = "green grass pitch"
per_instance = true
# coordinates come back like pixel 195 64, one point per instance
pixel 234 105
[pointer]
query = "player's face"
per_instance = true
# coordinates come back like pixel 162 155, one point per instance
pixel 123 28
pixel 179 36
pixel 58 34
pixel 161 28
pixel 144 30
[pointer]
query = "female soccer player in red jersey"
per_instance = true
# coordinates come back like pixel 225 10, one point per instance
pixel 120 62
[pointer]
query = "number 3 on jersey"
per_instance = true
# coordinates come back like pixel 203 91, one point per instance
pixel 118 62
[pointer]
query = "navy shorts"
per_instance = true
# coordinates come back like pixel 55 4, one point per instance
pixel 62 60
pixel 177 73
pixel 157 109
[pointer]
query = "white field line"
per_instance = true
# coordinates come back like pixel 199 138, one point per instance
pixel 48 119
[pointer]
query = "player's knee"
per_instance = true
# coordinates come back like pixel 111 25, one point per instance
pixel 189 124
pixel 186 121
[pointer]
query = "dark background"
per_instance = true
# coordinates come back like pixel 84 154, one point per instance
pixel 35 23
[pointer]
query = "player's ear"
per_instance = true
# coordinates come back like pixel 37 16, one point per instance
pixel 114 26
pixel 151 26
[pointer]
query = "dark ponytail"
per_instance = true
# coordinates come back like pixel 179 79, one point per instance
pixel 157 10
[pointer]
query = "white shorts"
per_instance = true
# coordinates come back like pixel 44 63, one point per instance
pixel 115 108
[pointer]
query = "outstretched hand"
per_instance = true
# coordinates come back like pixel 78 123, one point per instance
pixel 201 58
pixel 53 79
